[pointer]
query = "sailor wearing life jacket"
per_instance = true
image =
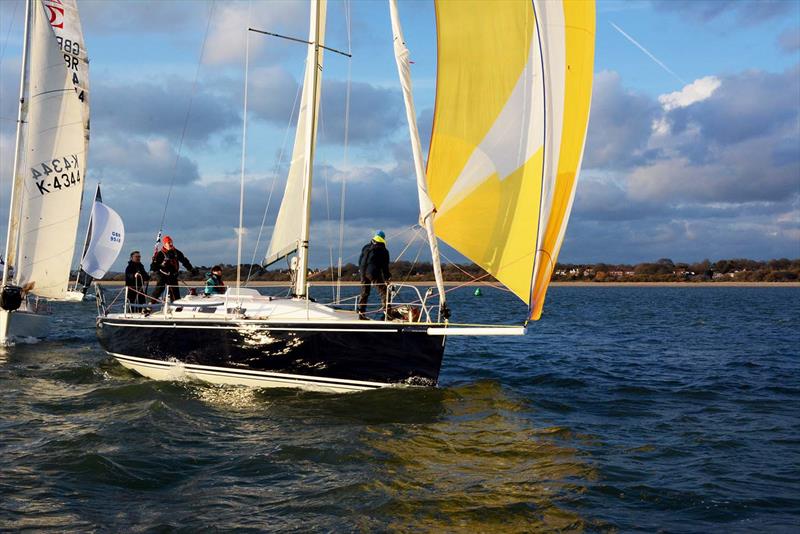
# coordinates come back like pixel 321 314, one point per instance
pixel 374 268
pixel 165 266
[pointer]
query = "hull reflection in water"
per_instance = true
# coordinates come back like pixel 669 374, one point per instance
pixel 483 466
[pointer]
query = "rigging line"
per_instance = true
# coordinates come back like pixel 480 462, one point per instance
pixel 276 170
pixel 326 175
pixel 414 263
pixel 345 167
pixel 186 119
pixel 2 55
pixel 474 279
pixel 413 238
pixel 389 237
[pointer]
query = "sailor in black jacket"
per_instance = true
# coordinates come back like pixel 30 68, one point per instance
pixel 165 265
pixel 373 265
pixel 135 278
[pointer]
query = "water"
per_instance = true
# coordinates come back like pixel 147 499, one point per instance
pixel 625 409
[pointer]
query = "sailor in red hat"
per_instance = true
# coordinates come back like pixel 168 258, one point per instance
pixel 165 266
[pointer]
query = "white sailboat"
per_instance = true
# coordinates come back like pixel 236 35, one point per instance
pixel 105 235
pixel 49 167
pixel 512 105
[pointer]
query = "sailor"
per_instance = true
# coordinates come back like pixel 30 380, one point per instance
pixel 373 265
pixel 165 266
pixel 135 278
pixel 214 283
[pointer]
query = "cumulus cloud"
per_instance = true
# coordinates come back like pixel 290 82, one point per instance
pixel 148 108
pixel 142 16
pixel 740 143
pixel 746 105
pixel 227 34
pixel 375 112
pixel 121 160
pixel 620 124
pixel 697 91
pixel 709 167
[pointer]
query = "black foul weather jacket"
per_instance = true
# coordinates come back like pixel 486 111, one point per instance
pixel 134 268
pixel 374 261
pixel 166 262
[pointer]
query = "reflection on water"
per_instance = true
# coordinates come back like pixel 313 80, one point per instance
pixel 642 410
pixel 484 465
pixel 232 397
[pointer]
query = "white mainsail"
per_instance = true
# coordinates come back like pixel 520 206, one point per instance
pixel 288 232
pixel 49 178
pixel 108 235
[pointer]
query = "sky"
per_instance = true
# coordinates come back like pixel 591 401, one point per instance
pixel 693 146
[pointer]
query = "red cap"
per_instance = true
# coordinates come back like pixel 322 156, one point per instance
pixel 167 239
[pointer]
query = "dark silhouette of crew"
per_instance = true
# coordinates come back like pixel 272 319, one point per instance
pixel 373 265
pixel 135 278
pixel 165 266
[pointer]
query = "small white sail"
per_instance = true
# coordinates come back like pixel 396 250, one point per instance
pixel 108 235
pixel 48 181
pixel 287 234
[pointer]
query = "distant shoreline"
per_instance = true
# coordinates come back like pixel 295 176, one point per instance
pixel 262 283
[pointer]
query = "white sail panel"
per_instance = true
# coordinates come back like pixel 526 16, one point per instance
pixel 108 235
pixel 286 235
pixel 51 173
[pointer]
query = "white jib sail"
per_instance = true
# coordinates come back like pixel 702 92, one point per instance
pixel 108 235
pixel 426 208
pixel 288 226
pixel 50 175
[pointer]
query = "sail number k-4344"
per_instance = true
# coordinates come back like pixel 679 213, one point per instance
pixel 56 174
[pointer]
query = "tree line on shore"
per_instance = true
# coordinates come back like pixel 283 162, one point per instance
pixel 662 270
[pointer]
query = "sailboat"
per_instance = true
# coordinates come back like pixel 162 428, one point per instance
pixel 49 167
pixel 513 94
pixel 105 235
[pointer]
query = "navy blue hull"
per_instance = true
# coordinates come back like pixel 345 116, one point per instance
pixel 384 353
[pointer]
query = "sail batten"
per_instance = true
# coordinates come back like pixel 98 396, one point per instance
pixel 512 97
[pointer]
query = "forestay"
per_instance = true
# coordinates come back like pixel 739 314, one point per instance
pixel 288 230
pixel 49 178
pixel 513 92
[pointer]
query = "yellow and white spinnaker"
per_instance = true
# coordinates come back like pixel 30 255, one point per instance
pixel 513 93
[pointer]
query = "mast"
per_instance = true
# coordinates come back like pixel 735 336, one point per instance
pixel 13 220
pixel 241 181
pixel 97 197
pixel 302 249
pixel 426 207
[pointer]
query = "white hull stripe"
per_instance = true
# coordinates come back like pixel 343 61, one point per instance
pixel 289 379
pixel 246 325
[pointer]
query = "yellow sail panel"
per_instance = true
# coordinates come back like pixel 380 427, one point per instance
pixel 579 36
pixel 493 226
pixel 485 165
